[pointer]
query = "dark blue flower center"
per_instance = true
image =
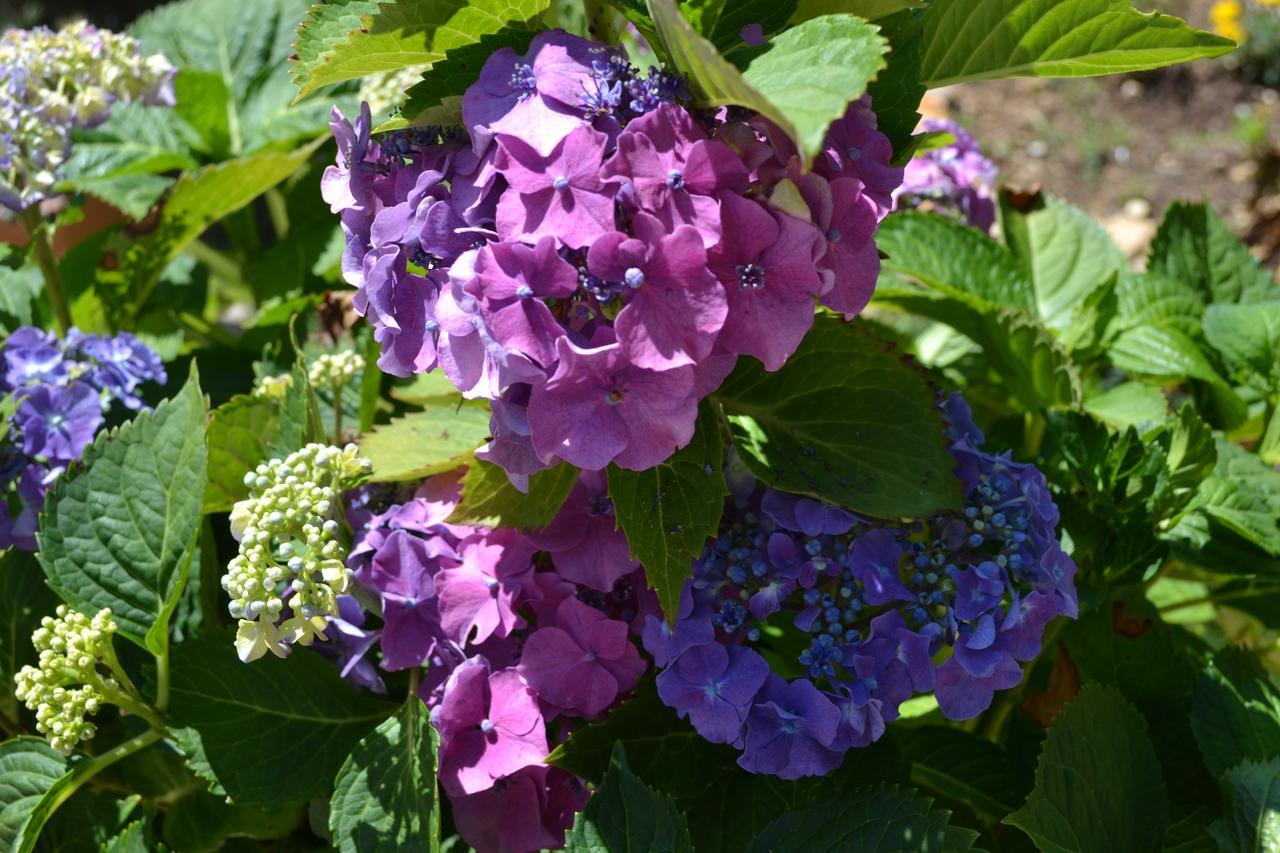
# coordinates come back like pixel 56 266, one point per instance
pixel 750 276
pixel 523 81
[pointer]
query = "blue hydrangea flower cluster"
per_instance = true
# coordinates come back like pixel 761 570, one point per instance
pixel 54 82
pixel 62 390
pixel 858 615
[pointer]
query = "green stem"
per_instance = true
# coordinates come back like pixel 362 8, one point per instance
pixel 162 680
pixel 337 416
pixel 88 769
pixel 1211 598
pixel 42 246
pixel 219 263
pixel 1269 446
pixel 278 211
pixel 1033 433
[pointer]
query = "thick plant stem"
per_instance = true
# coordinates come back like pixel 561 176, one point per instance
pixel 42 247
pixel 602 21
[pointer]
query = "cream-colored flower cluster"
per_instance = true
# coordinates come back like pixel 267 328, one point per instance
pixel 68 684
pixel 285 581
pixel 335 370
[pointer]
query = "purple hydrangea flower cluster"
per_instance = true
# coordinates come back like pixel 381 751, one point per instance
pixel 865 613
pixel 62 389
pixel 956 179
pixel 54 82
pixel 518 631
pixel 593 257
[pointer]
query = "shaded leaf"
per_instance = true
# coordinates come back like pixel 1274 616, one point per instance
pixel 867 436
pixel 28 768
pixel 1236 712
pixel 1252 820
pixel 625 815
pixel 669 511
pixel 1194 245
pixel 240 431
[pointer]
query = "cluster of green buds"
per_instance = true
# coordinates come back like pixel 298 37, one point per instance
pixel 293 544
pixel 335 370
pixel 274 387
pixel 58 81
pixel 78 673
pixel 386 91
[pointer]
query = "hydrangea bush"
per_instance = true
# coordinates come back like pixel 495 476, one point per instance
pixel 628 436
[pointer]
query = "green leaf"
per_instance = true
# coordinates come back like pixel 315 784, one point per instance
pixel 869 9
pixel 489 500
pixel 1155 298
pixel 385 793
pixel 969 40
pixel 1251 823
pixel 1098 786
pixel 437 97
pixel 1248 336
pixel 1031 362
pixel 240 431
pixel 299 416
pixel 436 439
pixel 271 732
pixel 1242 495
pixel 120 531
pixel 395 35
pixel 726 806
pixel 955 260
pixel 1162 350
pixel 132 193
pixel 28 768
pixel 804 81
pixel 962 767
pixel 133 839
pixel 885 819
pixel 897 90
pixel 1064 252
pixel 1129 404
pixel 198 199
pixel 20 289
pixel 868 436
pixel 669 511
pixel 1192 244
pixel 200 821
pixel 1236 712
pixel 625 814
pixel 25 599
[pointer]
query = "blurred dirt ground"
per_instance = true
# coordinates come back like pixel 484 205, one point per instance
pixel 1124 147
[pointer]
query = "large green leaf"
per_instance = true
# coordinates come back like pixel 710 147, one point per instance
pixel 1098 786
pixel 803 82
pixel 627 815
pixel 200 821
pixel 846 419
pixel 962 767
pixel 1195 246
pixel 1031 362
pixel 1236 712
pixel 1251 823
pixel 1248 337
pixel 1160 349
pixel 395 35
pixel 385 793
pixel 489 500
pixel 896 92
pixel 884 819
pixel 1242 495
pixel 240 431
pixel 989 39
pixel 25 599
pixel 669 511
pixel 438 438
pixel 120 532
pixel 954 260
pixel 1129 404
pixel 1064 251
pixel 727 807
pixel 271 732
pixel 29 767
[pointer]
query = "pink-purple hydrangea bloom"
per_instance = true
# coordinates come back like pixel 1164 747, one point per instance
pixel 956 179
pixel 592 256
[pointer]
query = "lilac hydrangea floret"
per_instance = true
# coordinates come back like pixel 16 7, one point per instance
pixel 956 179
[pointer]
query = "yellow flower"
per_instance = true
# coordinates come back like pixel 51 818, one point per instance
pixel 1225 16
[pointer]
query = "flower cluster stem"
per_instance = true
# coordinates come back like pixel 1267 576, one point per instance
pixel 40 236
pixel 88 769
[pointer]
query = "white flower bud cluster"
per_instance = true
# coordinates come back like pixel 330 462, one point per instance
pixel 291 550
pixel 67 685
pixel 335 370
pixel 52 82
pixel 272 386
